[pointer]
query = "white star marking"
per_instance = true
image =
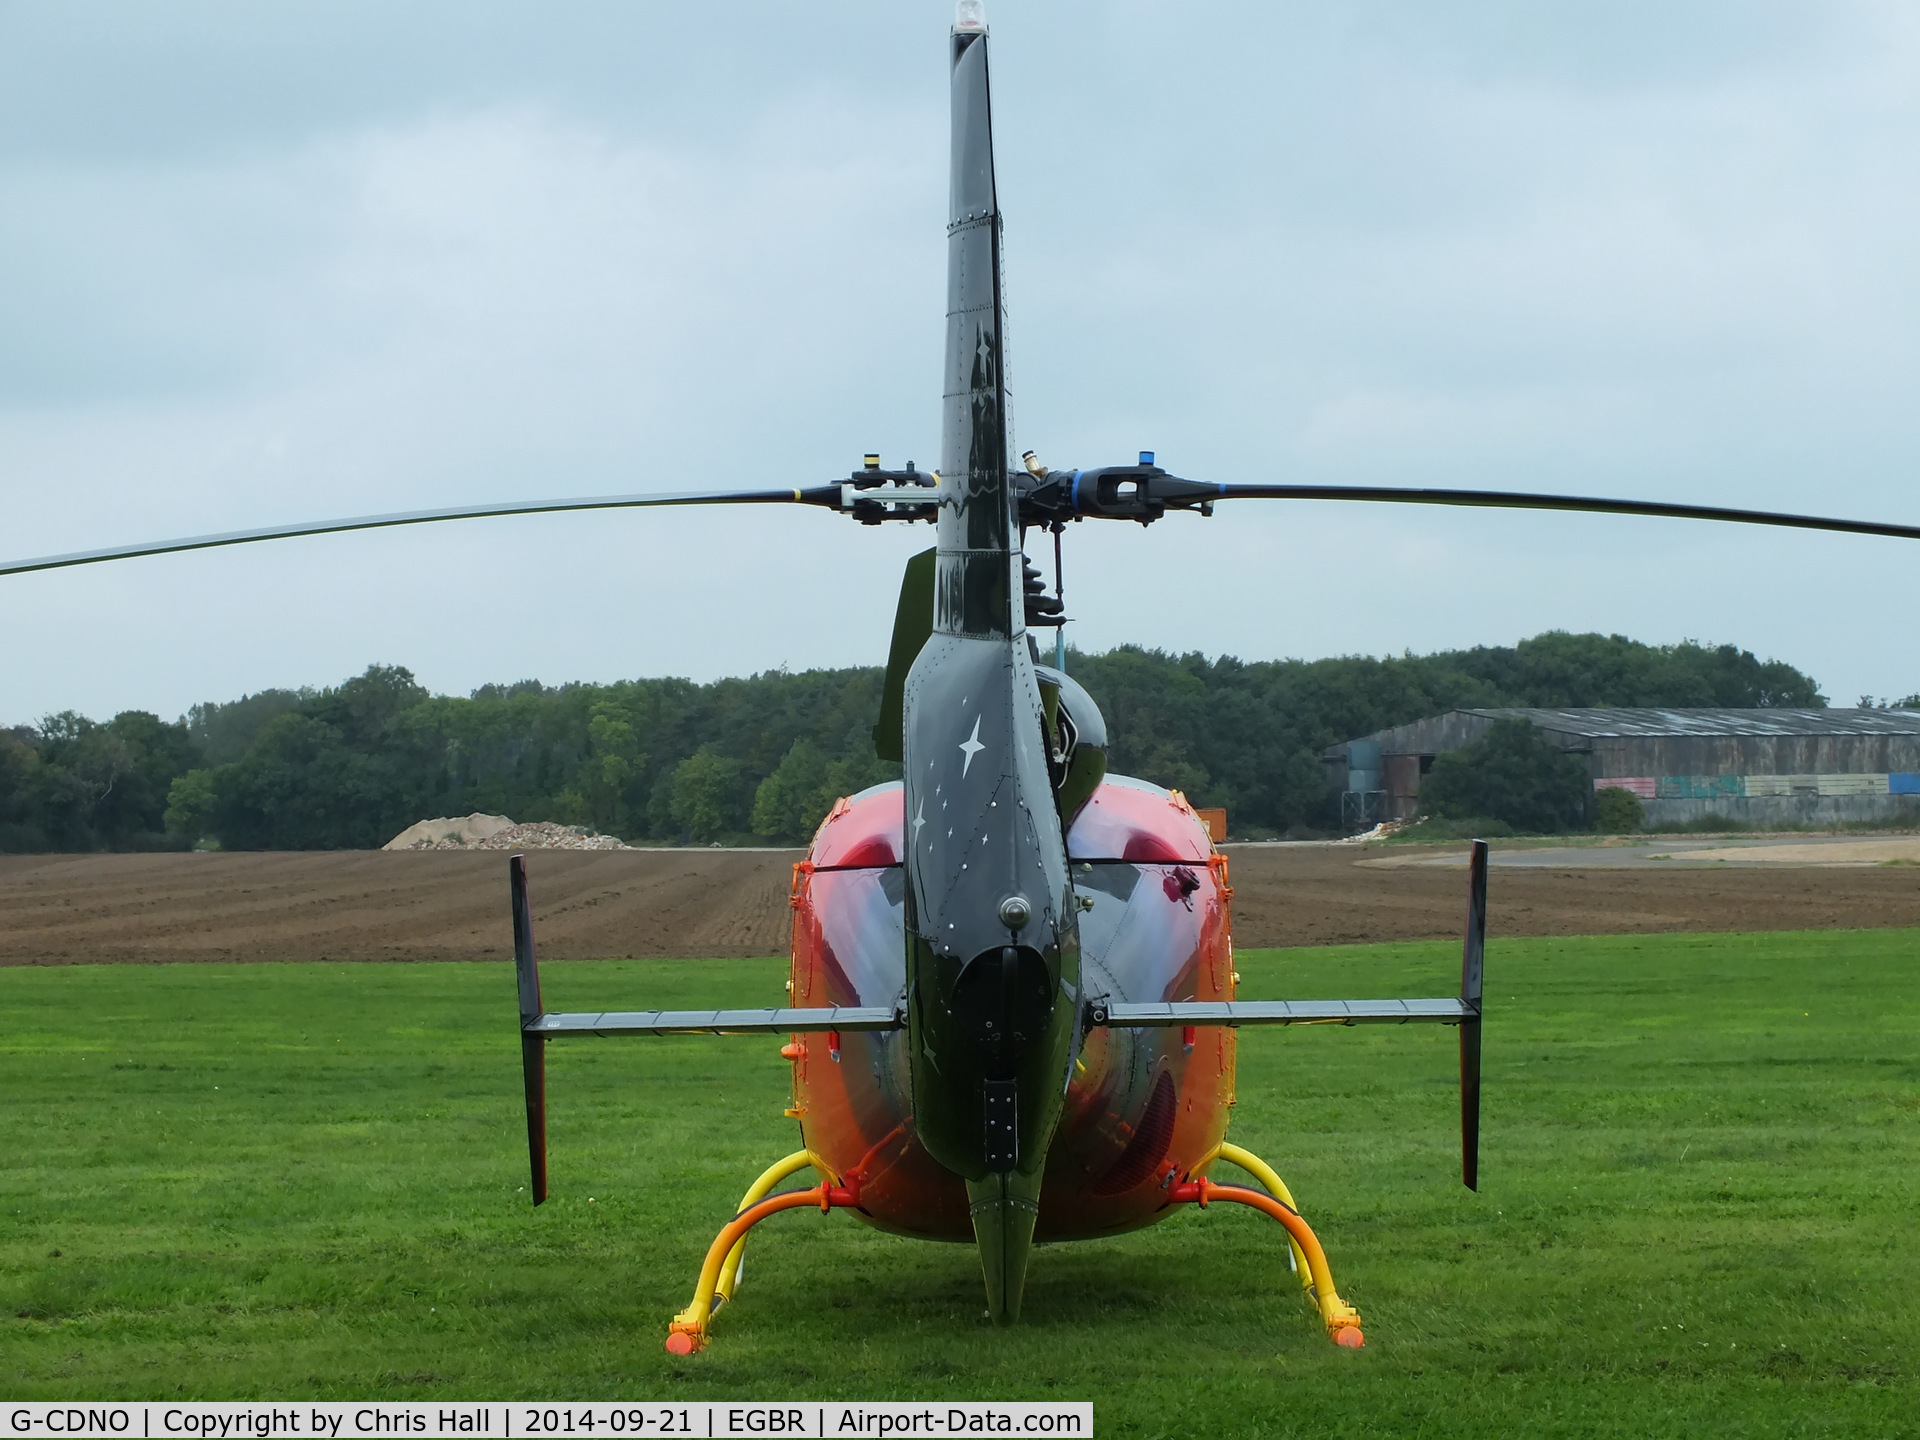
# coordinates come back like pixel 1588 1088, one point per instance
pixel 919 819
pixel 971 747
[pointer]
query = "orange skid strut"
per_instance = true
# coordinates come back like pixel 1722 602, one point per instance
pixel 1343 1321
pixel 688 1332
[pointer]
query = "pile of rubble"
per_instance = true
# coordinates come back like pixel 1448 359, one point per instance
pixel 541 835
pixel 1385 830
pixel 497 832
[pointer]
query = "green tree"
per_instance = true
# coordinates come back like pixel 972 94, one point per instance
pixel 149 753
pixel 19 789
pixel 785 804
pixel 1617 811
pixel 223 732
pixel 366 709
pixel 354 763
pixel 190 801
pixel 301 786
pixel 610 770
pixel 1513 773
pixel 791 802
pixel 706 795
pixel 849 776
pixel 105 786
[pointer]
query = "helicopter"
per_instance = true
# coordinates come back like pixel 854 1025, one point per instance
pixel 1013 1011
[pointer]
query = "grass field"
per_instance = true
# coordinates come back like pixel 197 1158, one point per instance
pixel 1698 1216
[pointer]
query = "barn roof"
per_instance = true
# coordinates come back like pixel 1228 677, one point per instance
pixel 1623 721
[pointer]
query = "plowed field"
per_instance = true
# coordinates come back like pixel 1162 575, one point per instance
pixel 66 909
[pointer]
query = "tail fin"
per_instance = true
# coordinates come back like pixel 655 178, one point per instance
pixel 979 584
pixel 1472 956
pixel 533 1046
pixel 912 624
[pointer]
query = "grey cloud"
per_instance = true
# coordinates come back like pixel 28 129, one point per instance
pixel 282 262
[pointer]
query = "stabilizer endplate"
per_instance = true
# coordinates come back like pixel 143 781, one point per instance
pixel 1472 958
pixel 533 1047
pixel 1464 1012
pixel 537 1025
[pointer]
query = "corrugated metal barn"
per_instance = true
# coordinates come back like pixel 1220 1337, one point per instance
pixel 1759 766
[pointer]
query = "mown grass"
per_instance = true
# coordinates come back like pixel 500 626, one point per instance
pixel 1698 1210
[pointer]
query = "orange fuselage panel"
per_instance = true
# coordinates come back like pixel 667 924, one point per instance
pixel 1143 1108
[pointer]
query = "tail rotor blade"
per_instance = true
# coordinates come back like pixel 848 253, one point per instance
pixel 533 1046
pixel 1472 957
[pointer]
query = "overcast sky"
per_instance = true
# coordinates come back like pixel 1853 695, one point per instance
pixel 265 263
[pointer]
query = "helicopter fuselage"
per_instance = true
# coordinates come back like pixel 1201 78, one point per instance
pixel 1139 1107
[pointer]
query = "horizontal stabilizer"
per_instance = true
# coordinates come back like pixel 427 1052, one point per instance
pixel 716 1022
pixel 537 1026
pixel 1283 1012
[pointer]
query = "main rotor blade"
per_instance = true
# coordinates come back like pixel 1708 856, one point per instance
pixel 1522 500
pixel 817 495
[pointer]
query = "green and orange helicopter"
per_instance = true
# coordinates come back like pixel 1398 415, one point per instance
pixel 1012 1004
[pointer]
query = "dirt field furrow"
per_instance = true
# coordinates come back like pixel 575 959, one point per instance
pixel 449 905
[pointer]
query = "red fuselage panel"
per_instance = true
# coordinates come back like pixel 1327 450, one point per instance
pixel 1142 1105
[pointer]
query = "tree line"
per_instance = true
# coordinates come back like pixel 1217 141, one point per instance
pixel 761 759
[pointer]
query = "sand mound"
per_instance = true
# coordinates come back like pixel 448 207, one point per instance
pixel 497 832
pixel 462 831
